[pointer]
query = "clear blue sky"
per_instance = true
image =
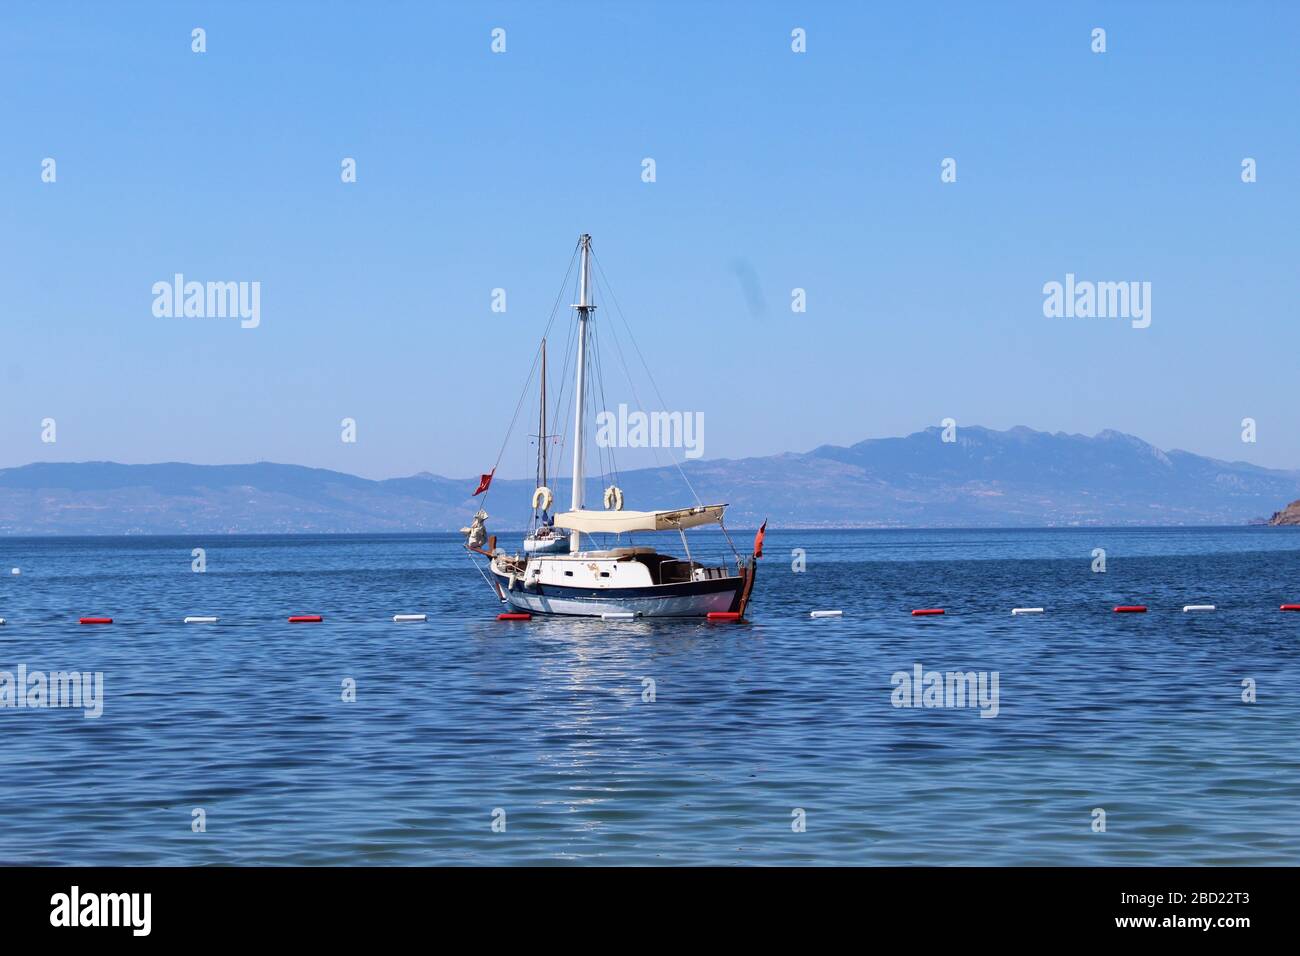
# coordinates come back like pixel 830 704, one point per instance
pixel 478 171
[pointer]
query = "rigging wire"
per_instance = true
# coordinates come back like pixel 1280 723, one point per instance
pixel 605 458
pixel 480 571
pixel 611 469
pixel 626 371
pixel 654 447
pixel 537 357
pixel 563 394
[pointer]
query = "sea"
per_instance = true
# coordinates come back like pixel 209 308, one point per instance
pixel 1084 736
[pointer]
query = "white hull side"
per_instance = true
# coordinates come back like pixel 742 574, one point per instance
pixel 695 605
pixel 686 599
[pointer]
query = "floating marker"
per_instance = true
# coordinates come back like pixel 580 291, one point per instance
pixel 2 620
pixel 1197 607
pixel 200 620
pixel 400 618
pixel 96 620
pixel 1131 609
pixel 724 615
pixel 617 616
pixel 16 571
pixel 927 611
pixel 306 619
pixel 515 617
pixel 1291 607
pixel 827 614
pixel 1026 610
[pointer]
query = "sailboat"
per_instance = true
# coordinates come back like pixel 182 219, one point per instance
pixel 619 578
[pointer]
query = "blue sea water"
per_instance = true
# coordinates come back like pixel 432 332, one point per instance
pixel 1138 715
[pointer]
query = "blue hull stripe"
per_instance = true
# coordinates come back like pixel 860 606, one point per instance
pixel 684 589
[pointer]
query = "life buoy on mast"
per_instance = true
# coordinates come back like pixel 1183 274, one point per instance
pixel 542 499
pixel 613 498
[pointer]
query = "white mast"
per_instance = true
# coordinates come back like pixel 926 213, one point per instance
pixel 584 308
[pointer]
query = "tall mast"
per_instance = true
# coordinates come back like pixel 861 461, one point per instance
pixel 584 308
pixel 541 432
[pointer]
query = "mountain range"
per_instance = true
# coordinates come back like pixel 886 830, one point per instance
pixel 986 478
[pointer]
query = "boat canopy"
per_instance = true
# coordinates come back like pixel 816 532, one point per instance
pixel 618 522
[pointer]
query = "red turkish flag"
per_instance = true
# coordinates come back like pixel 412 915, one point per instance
pixel 483 482
pixel 758 540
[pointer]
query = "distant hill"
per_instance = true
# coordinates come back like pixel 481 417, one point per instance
pixel 1290 515
pixel 986 478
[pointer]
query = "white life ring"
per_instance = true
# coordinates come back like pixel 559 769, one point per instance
pixel 542 499
pixel 613 498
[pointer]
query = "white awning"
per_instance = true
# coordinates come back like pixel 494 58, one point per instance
pixel 618 522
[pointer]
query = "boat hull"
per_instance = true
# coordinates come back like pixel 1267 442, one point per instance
pixel 687 599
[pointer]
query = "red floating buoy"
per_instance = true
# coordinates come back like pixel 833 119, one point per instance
pixel 96 620
pixel 306 619
pixel 926 611
pixel 724 615
pixel 1131 609
pixel 1290 607
pixel 515 616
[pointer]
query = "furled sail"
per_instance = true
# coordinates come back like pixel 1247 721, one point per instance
pixel 618 522
pixel 476 533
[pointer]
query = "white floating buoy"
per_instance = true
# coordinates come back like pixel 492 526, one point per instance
pixel 16 571
pixel 1026 610
pixel 2 620
pixel 826 614
pixel 1197 607
pixel 399 618
pixel 201 620
pixel 617 616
